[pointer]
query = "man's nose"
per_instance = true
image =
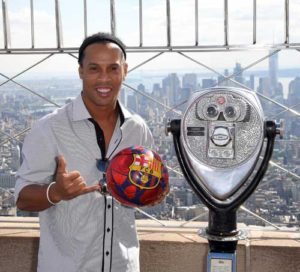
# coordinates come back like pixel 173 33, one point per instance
pixel 103 76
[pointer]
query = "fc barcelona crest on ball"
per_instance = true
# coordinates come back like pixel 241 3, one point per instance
pixel 137 177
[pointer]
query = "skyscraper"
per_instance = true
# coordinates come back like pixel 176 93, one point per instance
pixel 294 99
pixel 132 102
pixel 222 81
pixel 294 94
pixel 189 80
pixel 208 82
pixel 276 88
pixel 264 86
pixel 123 96
pixel 156 90
pixel 273 72
pixel 238 71
pixel 15 156
pixel 171 86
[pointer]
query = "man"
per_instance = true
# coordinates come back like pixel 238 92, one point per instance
pixel 64 157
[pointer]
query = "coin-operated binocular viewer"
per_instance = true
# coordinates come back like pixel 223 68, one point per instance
pixel 223 145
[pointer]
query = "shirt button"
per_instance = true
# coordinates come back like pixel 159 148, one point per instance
pixel 109 206
pixel 108 229
pixel 107 253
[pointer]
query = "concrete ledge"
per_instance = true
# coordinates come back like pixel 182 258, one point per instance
pixel 169 248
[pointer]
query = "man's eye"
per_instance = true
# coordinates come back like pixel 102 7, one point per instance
pixel 115 68
pixel 92 68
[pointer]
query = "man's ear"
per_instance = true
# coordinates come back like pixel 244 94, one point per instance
pixel 125 70
pixel 80 71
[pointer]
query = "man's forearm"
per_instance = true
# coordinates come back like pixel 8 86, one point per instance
pixel 33 198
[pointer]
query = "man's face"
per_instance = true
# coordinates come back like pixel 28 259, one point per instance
pixel 102 72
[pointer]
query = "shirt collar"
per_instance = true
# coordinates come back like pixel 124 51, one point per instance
pixel 80 111
pixel 124 111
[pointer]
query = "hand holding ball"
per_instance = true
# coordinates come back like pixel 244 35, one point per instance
pixel 137 177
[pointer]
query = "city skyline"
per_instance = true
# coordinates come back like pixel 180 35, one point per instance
pixel 13 122
pixel 179 75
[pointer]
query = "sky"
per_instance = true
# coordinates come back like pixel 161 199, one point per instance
pixel 270 30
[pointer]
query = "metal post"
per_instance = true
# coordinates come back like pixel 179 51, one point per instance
pixel 58 25
pixel 226 22
pixel 112 17
pixel 5 25
pixel 196 23
pixel 32 24
pixel 222 223
pixel 168 8
pixel 254 21
pixel 287 21
pixel 141 21
pixel 85 18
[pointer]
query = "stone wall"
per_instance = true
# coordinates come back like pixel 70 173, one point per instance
pixel 163 249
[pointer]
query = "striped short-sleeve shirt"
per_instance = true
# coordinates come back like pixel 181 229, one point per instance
pixel 91 232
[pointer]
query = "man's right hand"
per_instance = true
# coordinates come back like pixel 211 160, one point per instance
pixel 68 184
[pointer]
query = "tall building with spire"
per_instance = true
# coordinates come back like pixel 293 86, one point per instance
pixel 171 86
pixel 238 71
pixel 276 88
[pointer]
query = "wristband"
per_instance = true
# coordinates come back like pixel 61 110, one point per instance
pixel 47 194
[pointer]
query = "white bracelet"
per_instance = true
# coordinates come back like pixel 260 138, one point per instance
pixel 47 194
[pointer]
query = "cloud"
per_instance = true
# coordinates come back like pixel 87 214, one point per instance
pixel 270 27
pixel 270 23
pixel 20 28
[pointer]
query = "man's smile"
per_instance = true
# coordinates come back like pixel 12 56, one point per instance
pixel 103 90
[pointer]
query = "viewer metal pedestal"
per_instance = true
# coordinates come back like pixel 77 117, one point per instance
pixel 223 145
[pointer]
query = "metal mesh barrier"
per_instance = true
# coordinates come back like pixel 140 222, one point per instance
pixel 282 174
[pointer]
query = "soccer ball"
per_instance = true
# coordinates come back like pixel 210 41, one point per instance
pixel 137 177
